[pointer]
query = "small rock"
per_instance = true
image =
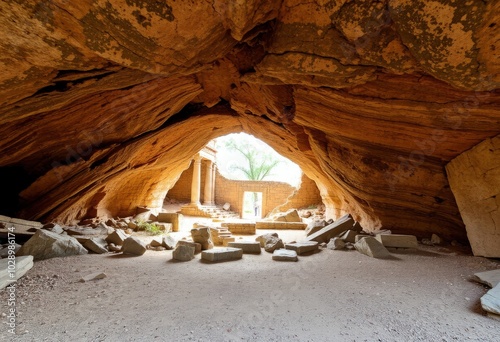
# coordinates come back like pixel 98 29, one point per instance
pixel 273 243
pixel 336 244
pixel 436 240
pixel 160 249
pixel 226 206
pixel 93 276
pixel 222 254
pixel 263 238
pixel 155 243
pixel 168 242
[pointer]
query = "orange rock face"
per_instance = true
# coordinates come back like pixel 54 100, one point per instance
pixel 105 102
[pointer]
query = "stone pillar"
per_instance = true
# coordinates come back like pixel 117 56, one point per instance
pixel 207 194
pixel 195 183
pixel 214 169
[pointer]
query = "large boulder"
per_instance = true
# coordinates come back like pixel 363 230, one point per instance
pixel 45 245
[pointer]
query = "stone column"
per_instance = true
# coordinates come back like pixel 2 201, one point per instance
pixel 195 184
pixel 214 168
pixel 207 194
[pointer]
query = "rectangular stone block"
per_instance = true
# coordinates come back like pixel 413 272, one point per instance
pixel 332 230
pixel 196 246
pixel 302 247
pixel 397 240
pixel 222 254
pixel 23 265
pixel 372 247
pixel 174 218
pixel 285 255
pixel 250 247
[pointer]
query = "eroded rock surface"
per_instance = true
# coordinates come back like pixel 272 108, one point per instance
pixel 103 104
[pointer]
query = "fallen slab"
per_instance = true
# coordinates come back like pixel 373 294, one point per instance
pixel 117 237
pixel 332 230
pixel 45 245
pixel 336 244
pixel 92 276
pixel 372 247
pixel 489 278
pixel 397 240
pixel 195 245
pixel 222 254
pixel 285 255
pixel 96 245
pixel 248 247
pixel 491 301
pixel 23 265
pixel 302 247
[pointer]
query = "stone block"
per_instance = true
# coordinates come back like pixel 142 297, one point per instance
pixel 336 244
pixel 155 243
pixel 23 265
pixel 263 238
pixel 202 236
pixel 315 226
pixel 372 247
pixel 45 245
pixel 222 254
pixel 250 247
pixel 360 236
pixel 174 218
pixel 96 245
pixel 302 247
pixel 285 255
pixel 183 253
pixel 349 236
pixel 117 237
pixel 332 230
pixel 227 240
pixel 491 301
pixel 196 246
pixel 398 240
pixel 134 246
pixel 92 276
pixel 489 278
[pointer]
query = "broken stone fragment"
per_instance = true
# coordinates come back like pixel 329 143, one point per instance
pixel 302 247
pixel 222 254
pixel 273 243
pixel 96 245
pixel 285 255
pixel 114 248
pixel 133 245
pixel 372 247
pixel 117 237
pixel 263 238
pixel 168 242
pixel 315 226
pixel 53 227
pixel 183 253
pixel 155 243
pixel 290 216
pixel 202 236
pixel 92 276
pixel 336 244
pixel 45 245
pixel 332 230
pixel 349 236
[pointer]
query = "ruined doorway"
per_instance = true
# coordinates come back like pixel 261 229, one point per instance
pixel 252 205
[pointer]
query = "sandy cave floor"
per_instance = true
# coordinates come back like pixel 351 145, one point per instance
pixel 424 295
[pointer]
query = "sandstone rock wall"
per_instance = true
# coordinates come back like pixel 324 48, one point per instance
pixel 103 103
pixel 475 181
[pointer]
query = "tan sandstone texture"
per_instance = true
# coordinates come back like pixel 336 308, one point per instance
pixel 104 103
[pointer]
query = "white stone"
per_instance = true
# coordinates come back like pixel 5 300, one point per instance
pixel 285 255
pixel 23 265
pixel 93 276
pixel 222 254
pixel 491 300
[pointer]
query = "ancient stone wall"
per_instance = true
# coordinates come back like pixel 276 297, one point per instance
pixel 474 178
pixel 231 191
pixel 307 194
pixel 182 188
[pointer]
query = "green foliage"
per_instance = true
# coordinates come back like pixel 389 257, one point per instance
pixel 150 228
pixel 258 165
